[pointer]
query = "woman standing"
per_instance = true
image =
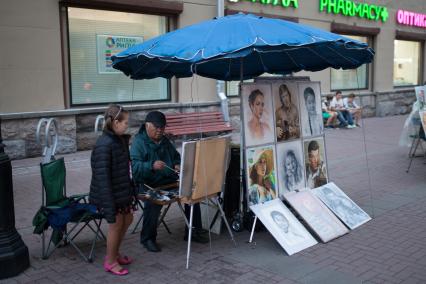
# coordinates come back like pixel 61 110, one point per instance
pixel 111 188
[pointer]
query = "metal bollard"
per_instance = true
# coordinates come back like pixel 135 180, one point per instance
pixel 14 256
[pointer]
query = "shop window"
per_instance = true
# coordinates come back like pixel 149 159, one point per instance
pixel 94 36
pixel 406 63
pixel 351 79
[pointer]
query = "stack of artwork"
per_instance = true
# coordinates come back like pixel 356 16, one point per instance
pixel 285 158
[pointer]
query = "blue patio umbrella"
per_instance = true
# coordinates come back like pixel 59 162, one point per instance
pixel 241 47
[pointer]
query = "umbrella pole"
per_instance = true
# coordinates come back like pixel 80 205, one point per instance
pixel 242 144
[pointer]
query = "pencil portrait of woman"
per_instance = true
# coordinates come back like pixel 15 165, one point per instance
pixel 258 114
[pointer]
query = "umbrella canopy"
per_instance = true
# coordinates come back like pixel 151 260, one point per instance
pixel 226 48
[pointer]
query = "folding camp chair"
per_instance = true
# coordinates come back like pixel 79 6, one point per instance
pixel 54 198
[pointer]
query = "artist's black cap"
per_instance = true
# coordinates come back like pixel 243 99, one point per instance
pixel 157 118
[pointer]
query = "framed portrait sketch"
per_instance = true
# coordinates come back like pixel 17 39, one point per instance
pixel 290 166
pixel 261 174
pixel 283 226
pixel 422 114
pixel 257 114
pixel 421 96
pixel 318 217
pixel 315 162
pixel 310 109
pixel 341 205
pixel 286 109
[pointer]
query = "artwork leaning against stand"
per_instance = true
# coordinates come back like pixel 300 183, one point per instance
pixel 341 205
pixel 421 96
pixel 310 109
pixel 422 114
pixel 283 226
pixel 290 166
pixel 257 114
pixel 261 174
pixel 315 162
pixel 318 217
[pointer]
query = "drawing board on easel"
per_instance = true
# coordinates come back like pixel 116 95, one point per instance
pixel 203 167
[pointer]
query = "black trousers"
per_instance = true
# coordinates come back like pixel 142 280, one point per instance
pixel 151 214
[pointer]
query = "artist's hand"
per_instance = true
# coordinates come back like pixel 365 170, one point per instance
pixel 158 165
pixel 177 168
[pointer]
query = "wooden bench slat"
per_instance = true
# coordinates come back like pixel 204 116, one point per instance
pixel 195 128
pixel 196 123
pixel 193 114
pixel 197 131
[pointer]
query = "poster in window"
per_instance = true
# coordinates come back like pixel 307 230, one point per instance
pixel 109 45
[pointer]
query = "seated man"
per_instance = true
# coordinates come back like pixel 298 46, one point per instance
pixel 327 113
pixel 155 162
pixel 353 108
pixel 343 115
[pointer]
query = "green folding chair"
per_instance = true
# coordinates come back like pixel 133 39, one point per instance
pixel 54 197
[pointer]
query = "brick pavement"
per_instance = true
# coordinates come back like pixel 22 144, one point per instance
pixel 389 249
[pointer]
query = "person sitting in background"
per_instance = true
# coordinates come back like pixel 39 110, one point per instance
pixel 353 108
pixel 343 115
pixel 327 113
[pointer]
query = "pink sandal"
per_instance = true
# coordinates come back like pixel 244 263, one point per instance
pixel 124 260
pixel 109 268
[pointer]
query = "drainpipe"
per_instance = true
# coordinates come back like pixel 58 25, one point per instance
pixel 220 85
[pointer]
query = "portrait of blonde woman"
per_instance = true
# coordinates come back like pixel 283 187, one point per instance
pixel 257 114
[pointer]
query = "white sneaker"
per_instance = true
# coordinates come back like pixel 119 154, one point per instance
pixel 351 126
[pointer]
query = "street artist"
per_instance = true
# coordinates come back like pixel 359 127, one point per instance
pixel 156 162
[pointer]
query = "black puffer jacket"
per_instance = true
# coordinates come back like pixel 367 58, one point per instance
pixel 111 188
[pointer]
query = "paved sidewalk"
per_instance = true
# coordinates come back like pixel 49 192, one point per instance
pixel 391 248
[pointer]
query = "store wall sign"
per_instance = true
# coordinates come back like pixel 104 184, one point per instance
pixel 282 3
pixel 109 45
pixel 352 9
pixel 411 19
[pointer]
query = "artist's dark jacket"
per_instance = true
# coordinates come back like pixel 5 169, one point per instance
pixel 144 152
pixel 111 188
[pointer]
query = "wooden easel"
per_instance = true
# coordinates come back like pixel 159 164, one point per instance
pixel 213 198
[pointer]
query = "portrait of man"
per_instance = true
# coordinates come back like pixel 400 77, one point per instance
pixel 282 223
pixel 286 111
pixel 258 117
pixel 338 202
pixel 290 166
pixel 315 167
pixel 312 124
